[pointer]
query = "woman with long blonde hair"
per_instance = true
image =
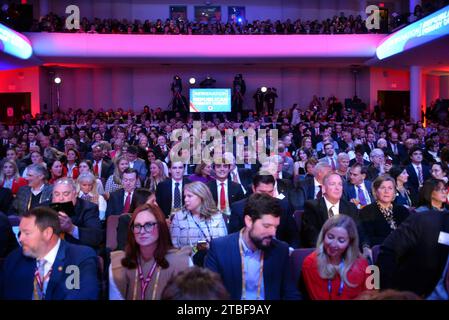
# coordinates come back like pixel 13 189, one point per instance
pixel 156 174
pixel 336 270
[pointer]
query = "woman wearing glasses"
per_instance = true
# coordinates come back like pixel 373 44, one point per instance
pixel 149 260
pixel 432 196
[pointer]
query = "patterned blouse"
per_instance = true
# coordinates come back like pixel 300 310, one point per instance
pixel 187 230
pixel 388 215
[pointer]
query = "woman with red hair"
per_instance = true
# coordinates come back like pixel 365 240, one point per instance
pixel 142 271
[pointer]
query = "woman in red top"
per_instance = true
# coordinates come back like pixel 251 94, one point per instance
pixel 57 170
pixel 336 270
pixel 72 163
pixel 9 176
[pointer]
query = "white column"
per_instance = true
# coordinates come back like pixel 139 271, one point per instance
pixel 413 4
pixel 415 93
pixel 44 8
pixel 444 87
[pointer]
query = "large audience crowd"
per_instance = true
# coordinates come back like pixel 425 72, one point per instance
pixel 340 188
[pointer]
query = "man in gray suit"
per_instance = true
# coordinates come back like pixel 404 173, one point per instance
pixel 35 193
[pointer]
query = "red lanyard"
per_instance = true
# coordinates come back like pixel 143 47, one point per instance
pixel 40 282
pixel 145 282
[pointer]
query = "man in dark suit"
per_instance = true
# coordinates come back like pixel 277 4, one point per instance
pixel 255 244
pixel 120 201
pixel 370 144
pixel 413 256
pixel 102 167
pixel 26 272
pixel 359 152
pixel 7 239
pixel 136 163
pixel 287 230
pixel 169 193
pixel 357 189
pixel 84 227
pixel 417 171
pixel 224 191
pixel 396 149
pixel 313 186
pixel 35 193
pixel 316 212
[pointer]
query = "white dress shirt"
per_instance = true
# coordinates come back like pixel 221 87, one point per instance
pixel 335 207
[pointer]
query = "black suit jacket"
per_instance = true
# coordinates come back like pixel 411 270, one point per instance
pixel 116 203
pixel 6 199
pixel 402 152
pixel 375 226
pixel 164 195
pixel 87 220
pixel 411 258
pixel 316 214
pixel 412 181
pixel 235 192
pixel 308 186
pixel 287 230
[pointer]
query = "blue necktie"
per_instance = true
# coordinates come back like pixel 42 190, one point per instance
pixel 361 195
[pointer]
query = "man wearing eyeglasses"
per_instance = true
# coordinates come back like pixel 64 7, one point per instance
pixel 84 226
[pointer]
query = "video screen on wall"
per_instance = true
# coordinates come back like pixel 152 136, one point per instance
pixel 210 100
pixel 178 13
pixel 207 14
pixel 236 14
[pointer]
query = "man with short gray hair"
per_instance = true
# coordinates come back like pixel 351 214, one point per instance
pixel 35 193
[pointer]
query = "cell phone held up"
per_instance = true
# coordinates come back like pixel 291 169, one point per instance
pixel 67 207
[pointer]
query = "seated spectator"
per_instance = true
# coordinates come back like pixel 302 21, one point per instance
pixel 195 284
pixel 199 222
pixel 380 218
pixel 136 163
pixel 141 196
pixel 114 181
pixel 8 240
pixel 342 165
pixel 169 192
pixel 299 167
pixel 313 186
pixel 84 226
pixel 378 164
pixel 403 195
pixel 85 166
pixel 316 212
pixel 156 175
pixel 36 158
pixel 87 190
pixel 417 171
pixel 287 230
pixel 336 270
pixel 439 172
pixel 9 176
pixel 43 250
pixel 72 164
pixel 56 171
pixel 35 193
pixel 254 245
pixel 148 253
pixel 120 201
pixel 432 196
pixel 358 190
pixel 203 173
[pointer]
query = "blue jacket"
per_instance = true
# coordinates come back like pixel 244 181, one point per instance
pixel 17 276
pixel 223 257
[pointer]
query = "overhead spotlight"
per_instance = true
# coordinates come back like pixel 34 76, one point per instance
pixel 192 80
pixel 57 80
pixel 263 89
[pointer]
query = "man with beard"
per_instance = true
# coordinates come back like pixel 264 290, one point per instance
pixel 43 268
pixel 252 263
